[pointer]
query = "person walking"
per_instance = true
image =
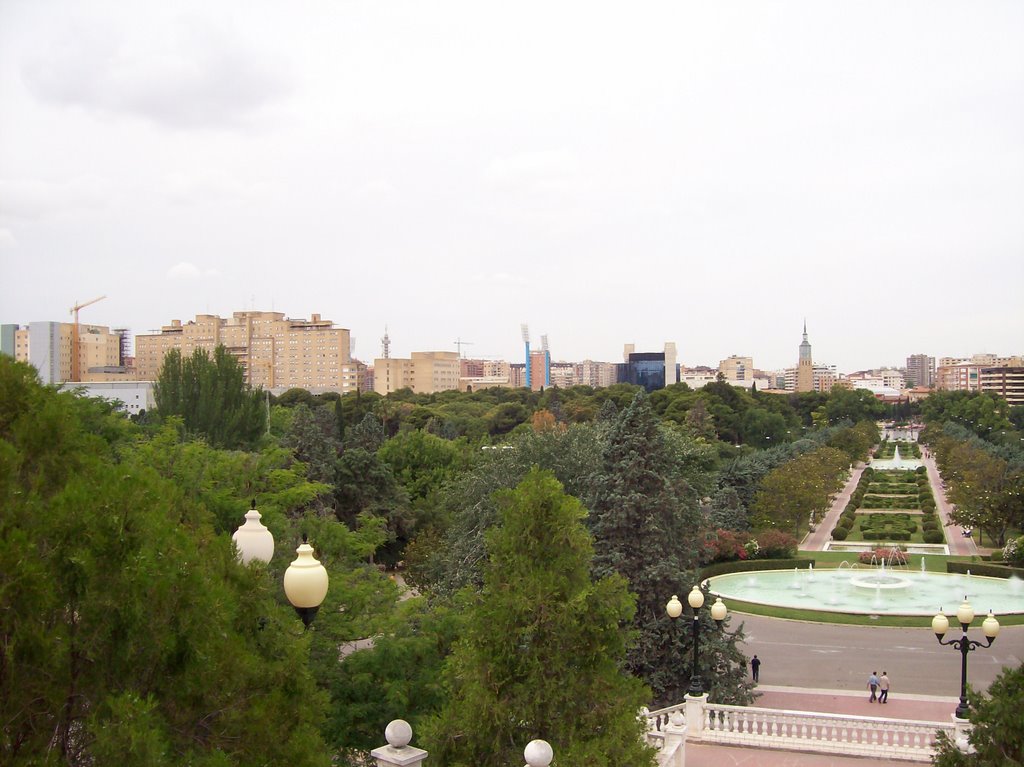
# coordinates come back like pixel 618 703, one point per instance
pixel 755 667
pixel 883 688
pixel 873 686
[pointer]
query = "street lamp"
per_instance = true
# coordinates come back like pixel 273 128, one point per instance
pixel 305 583
pixel 674 608
pixel 305 580
pixel 253 539
pixel 965 614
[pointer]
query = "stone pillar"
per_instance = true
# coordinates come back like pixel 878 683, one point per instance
pixel 398 752
pixel 675 740
pixel 695 715
pixel 963 729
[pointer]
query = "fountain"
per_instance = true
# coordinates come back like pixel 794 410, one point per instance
pixel 850 588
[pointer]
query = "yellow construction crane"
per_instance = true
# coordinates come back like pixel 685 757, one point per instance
pixel 75 348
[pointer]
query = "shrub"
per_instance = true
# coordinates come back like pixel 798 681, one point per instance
pixel 987 569
pixel 752 564
pixel 776 544
pixel 889 556
pixel 921 470
pixel 723 546
pixel 934 536
pixel 840 533
pixel 1013 551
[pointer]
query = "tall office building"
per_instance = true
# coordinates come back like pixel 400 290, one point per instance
pixel 920 371
pixel 276 352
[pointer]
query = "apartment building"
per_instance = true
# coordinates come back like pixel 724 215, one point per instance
pixel 965 373
pixel 1007 382
pixel 276 352
pixel 423 372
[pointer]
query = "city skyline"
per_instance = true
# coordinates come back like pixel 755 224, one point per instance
pixel 704 175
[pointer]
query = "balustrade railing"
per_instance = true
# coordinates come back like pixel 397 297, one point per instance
pixel 814 731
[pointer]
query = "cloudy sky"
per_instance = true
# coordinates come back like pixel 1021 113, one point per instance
pixel 706 173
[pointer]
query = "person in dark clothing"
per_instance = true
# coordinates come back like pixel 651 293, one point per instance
pixel 755 667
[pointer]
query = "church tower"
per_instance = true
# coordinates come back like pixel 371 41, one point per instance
pixel 805 367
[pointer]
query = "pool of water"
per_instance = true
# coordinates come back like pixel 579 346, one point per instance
pixel 868 590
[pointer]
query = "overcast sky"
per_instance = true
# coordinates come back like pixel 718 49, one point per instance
pixel 705 173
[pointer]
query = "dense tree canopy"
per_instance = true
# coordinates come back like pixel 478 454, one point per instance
pixel 211 397
pixel 540 652
pixel 126 627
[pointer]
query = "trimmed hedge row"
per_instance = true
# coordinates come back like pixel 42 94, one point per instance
pixel 984 568
pixel 747 565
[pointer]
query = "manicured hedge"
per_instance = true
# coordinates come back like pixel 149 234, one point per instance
pixel 984 568
pixel 840 533
pixel 934 536
pixel 747 565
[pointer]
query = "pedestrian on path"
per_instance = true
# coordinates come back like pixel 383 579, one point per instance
pixel 883 687
pixel 873 686
pixel 755 667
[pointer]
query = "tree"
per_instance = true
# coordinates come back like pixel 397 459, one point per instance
pixel 792 493
pixel 128 628
pixel 457 559
pixel 211 396
pixel 997 728
pixel 644 517
pixel 540 652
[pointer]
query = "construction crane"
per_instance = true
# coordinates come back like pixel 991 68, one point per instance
pixel 459 343
pixel 75 343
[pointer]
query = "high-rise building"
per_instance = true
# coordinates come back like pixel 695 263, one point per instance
pixel 805 366
pixel 920 370
pixel 276 352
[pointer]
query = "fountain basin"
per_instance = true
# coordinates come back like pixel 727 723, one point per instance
pixel 858 590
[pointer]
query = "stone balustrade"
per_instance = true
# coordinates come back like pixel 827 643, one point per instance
pixel 798 730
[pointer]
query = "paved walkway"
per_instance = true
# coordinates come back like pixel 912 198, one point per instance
pixel 925 708
pixel 959 545
pixel 816 541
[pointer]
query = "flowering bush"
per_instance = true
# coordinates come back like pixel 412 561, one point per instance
pixel 1013 551
pixel 723 546
pixel 774 544
pixel 752 549
pixel 889 556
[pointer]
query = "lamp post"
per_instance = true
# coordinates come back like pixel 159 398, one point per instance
pixel 674 608
pixel 965 614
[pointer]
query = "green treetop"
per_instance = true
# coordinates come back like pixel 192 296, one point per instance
pixel 541 651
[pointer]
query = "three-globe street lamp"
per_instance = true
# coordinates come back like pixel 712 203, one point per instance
pixel 305 580
pixel 965 614
pixel 674 608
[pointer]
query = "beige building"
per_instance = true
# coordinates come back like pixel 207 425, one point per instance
pixel 424 373
pixel 48 347
pixel 965 374
pixel 805 367
pixel 276 352
pixel 737 369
